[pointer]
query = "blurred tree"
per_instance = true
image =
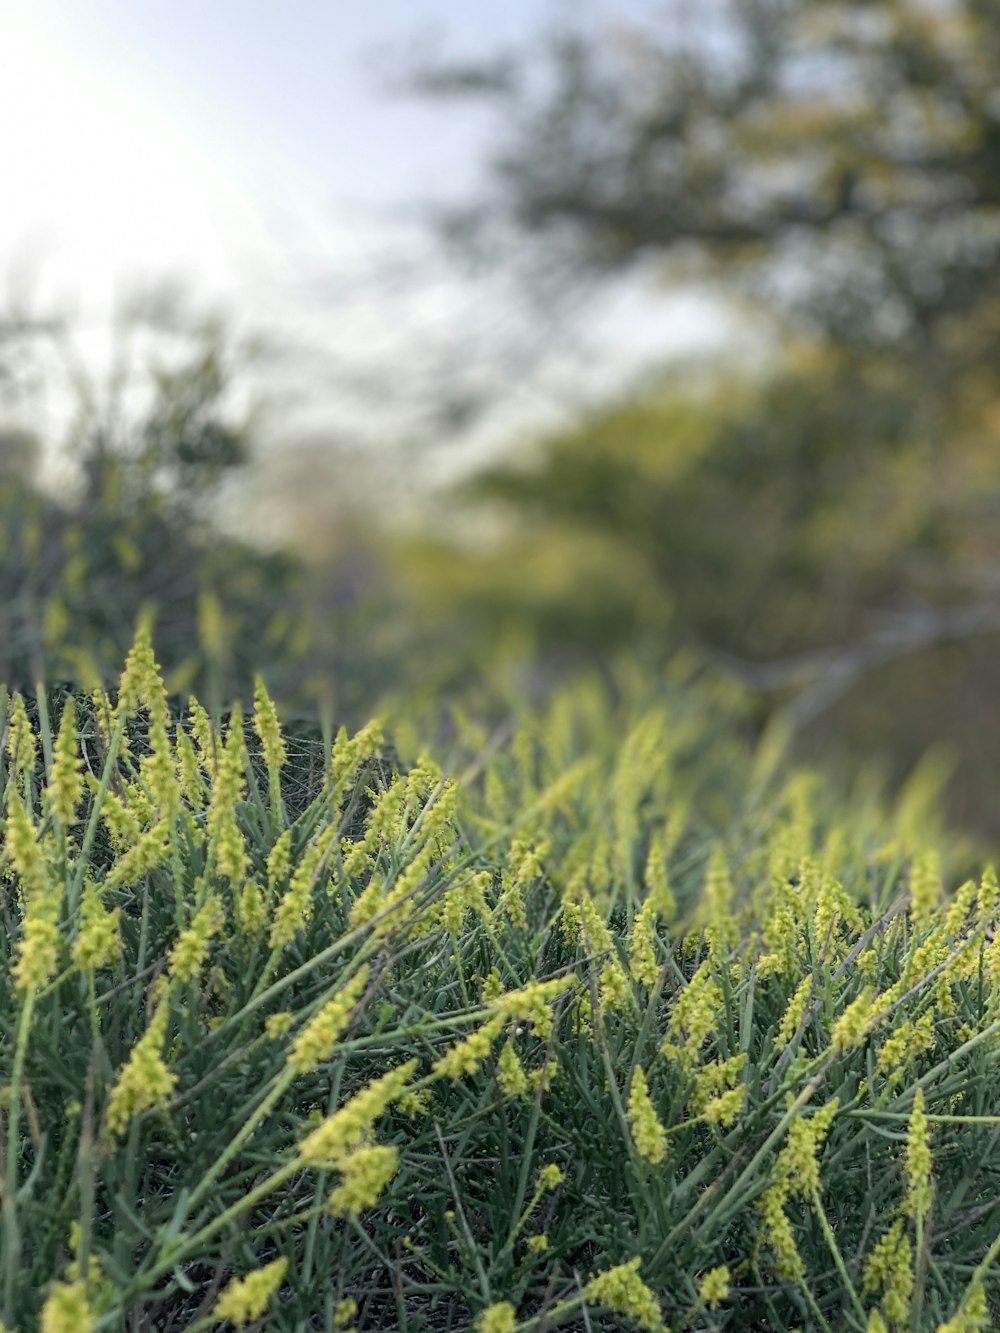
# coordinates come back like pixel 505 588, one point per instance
pixel 840 158
pixel 132 527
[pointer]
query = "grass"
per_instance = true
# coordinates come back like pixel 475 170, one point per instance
pixel 605 1024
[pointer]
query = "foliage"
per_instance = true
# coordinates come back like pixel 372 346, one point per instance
pixel 615 1016
pixel 844 157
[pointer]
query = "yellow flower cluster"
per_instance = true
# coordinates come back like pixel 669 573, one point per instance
pixel 316 1040
pixel 145 1080
pixel 364 1175
pixel 889 1270
pixel 695 1013
pixel 467 1055
pixel 20 738
pixel 42 897
pixel 188 954
pixel 918 1160
pixel 648 1135
pixel 903 1047
pixel 534 1003
pixel 344 1132
pixel 498 1318
pixel 972 1316
pixel 925 889
pixel 66 785
pixel 622 1291
pixel 67 1310
pixel 713 1288
pixel 245 1299
pixel 268 729
pixel 853 1025
pixel 98 942
pixel 796 1174
pixel 642 945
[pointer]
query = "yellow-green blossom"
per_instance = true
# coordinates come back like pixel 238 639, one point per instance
pixel 853 1025
pixel 145 1080
pixel 364 1175
pixel 642 951
pixel 623 1291
pixel 498 1318
pixel 316 1040
pixel 267 727
pixel 67 1309
pixel 510 1073
pixel 343 1132
pixel 534 1003
pixel 648 1134
pixel 245 1299
pixel 20 737
pixel 889 1269
pixel 467 1055
pixel 713 1288
pixel 918 1159
pixel 191 947
pixel 66 785
pixel 98 943
pixel 925 888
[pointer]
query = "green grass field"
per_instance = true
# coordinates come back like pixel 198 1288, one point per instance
pixel 591 1020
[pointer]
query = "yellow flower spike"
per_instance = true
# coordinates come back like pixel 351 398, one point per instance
pixel 467 1055
pixel 25 853
pixel 622 1291
pixel 344 1132
pixel 251 911
pixel 159 768
pixel 279 860
pixel 245 1299
pixel 614 988
pixel 658 888
pixel 905 1045
pixel 498 1318
pixel 150 851
pixel 98 943
pixel 973 1314
pixel 188 954
pixel 534 1003
pixel 989 895
pixel 714 1287
pixel 925 889
pixel 67 1309
pixel 42 894
pixel 140 684
pixel 66 786
pixel 854 1023
pixel 642 951
pixel 889 1269
pixel 144 1081
pixel 876 1324
pixel 510 1073
pixel 344 1311
pixel 268 729
pixel 21 746
pixel 315 1042
pixel 695 1011
pixel 364 1175
pixel 918 1160
pixel 295 908
pixel 648 1134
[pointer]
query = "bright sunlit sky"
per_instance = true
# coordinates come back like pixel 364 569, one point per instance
pixel 246 147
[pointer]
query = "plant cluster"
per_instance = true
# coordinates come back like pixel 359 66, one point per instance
pixel 603 1024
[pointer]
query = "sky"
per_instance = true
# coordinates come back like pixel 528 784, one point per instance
pixel 249 150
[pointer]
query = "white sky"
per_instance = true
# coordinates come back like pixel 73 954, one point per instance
pixel 245 147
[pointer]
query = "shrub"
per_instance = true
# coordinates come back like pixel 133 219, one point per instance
pixel 614 1025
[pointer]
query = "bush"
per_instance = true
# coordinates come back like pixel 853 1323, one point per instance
pixel 615 1020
